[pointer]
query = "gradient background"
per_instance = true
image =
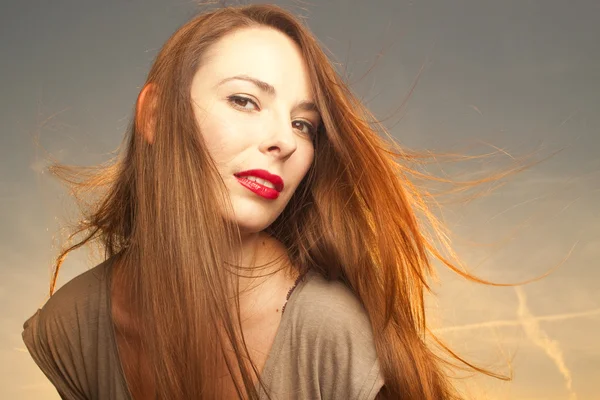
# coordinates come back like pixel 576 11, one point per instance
pixel 521 75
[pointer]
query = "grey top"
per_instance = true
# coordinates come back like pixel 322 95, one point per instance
pixel 323 348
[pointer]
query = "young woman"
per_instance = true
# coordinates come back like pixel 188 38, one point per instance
pixel 261 240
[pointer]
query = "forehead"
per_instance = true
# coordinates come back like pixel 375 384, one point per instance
pixel 262 53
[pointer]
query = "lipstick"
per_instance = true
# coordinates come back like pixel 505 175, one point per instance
pixel 261 187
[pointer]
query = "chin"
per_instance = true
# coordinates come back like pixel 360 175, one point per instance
pixel 252 221
pixel 252 226
pixel 252 217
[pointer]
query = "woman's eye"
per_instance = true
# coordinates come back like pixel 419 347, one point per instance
pixel 242 103
pixel 309 128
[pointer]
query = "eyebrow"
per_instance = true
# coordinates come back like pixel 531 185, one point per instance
pixel 270 90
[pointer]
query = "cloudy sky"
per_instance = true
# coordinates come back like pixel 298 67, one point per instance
pixel 510 77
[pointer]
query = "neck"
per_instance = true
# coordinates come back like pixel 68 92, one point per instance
pixel 262 257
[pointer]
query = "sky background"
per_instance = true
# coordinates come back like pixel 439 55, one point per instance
pixel 522 77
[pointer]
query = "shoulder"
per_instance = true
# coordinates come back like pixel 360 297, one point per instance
pixel 338 339
pixel 73 302
pixel 58 334
pixel 334 310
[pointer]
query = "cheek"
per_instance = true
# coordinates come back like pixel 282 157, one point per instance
pixel 304 161
pixel 221 139
pixel 309 156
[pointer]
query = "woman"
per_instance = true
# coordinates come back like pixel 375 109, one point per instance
pixel 261 241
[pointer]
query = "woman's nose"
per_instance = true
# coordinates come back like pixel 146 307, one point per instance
pixel 280 137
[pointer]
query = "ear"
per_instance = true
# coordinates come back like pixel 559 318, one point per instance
pixel 145 112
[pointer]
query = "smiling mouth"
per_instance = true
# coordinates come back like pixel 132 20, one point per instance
pixel 263 175
pixel 258 188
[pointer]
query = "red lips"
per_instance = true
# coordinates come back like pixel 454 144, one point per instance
pixel 263 174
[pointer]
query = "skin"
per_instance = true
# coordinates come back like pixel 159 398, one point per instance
pixel 256 129
pixel 246 127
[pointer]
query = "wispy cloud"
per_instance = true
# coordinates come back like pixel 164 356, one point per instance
pixel 535 333
pixel 518 322
pixel 531 326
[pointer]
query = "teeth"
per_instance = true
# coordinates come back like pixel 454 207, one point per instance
pixel 261 181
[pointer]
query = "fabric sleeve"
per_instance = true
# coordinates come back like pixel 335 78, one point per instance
pixel 348 363
pixel 372 383
pixel 52 340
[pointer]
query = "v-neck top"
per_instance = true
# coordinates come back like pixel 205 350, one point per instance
pixel 323 348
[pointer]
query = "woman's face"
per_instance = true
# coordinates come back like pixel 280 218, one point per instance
pixel 253 103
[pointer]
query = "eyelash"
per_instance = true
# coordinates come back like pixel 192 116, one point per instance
pixel 312 129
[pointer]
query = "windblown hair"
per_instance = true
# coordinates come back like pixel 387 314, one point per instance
pixel 357 216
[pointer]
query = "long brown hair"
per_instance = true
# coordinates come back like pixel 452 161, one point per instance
pixel 357 216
